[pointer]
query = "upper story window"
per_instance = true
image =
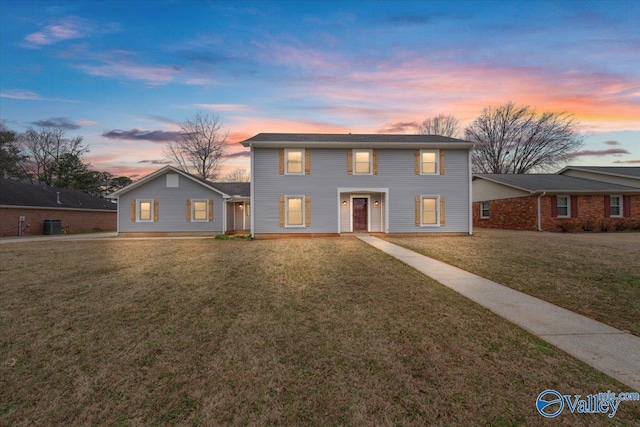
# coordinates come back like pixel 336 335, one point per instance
pixel 563 206
pixel 362 162
pixel 294 161
pixel 429 162
pixel 615 205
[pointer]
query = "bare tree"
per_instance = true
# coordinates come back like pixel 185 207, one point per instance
pixel 515 139
pixel 237 175
pixel 46 147
pixel 12 159
pixel 199 149
pixel 445 125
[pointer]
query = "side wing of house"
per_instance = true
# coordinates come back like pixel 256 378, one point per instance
pixel 340 190
pixel 629 181
pixel 171 203
pixel 484 190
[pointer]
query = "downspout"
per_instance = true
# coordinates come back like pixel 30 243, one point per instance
pixel 539 217
pixel 470 213
pixel 251 196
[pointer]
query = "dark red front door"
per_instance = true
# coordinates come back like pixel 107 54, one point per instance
pixel 360 214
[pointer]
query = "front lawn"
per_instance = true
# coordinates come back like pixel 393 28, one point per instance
pixel 287 332
pixel 595 274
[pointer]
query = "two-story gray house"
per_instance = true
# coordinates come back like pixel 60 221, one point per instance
pixel 330 184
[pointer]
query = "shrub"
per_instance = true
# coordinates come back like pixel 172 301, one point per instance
pixel 621 225
pixel 568 226
pixel 588 224
pixel 605 224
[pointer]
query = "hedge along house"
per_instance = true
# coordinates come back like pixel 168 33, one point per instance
pixel 552 202
pixel 170 201
pixel 24 207
pixel 331 184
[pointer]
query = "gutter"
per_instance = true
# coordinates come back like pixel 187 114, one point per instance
pixel 538 213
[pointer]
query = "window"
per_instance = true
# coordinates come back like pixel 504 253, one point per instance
pixel 563 206
pixel 615 208
pixel 429 162
pixel 295 212
pixel 145 210
pixel 199 210
pixel 294 161
pixel 429 210
pixel 362 161
pixel 484 210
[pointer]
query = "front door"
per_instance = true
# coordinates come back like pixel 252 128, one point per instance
pixel 360 211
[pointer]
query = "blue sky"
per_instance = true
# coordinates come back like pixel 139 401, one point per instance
pixel 123 74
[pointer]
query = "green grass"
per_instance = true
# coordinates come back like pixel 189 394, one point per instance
pixel 595 274
pixel 286 332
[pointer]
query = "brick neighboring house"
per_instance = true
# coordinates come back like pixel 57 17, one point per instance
pixel 78 211
pixel 553 202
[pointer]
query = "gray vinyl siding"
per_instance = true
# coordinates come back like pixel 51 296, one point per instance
pixel 484 190
pixel 171 207
pixel 329 172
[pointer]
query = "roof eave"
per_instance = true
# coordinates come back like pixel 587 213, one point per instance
pixel 159 172
pixel 347 144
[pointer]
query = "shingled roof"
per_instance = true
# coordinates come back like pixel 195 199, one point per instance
pixel 555 183
pixel 15 193
pixel 348 137
pixel 624 171
pixel 242 189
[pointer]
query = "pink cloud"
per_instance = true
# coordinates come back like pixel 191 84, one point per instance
pixel 69 28
pixel 20 94
pixel 599 153
pixel 225 107
pixel 152 75
pixel 411 90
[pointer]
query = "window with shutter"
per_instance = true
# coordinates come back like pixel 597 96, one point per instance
pixel 430 162
pixel 362 160
pixel 615 206
pixel 145 211
pixel 294 161
pixel 294 212
pixel 562 206
pixel 429 211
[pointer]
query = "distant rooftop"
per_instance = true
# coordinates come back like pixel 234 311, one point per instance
pixel 15 193
pixel 555 183
pixel 627 171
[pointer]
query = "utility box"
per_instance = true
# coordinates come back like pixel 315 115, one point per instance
pixel 52 226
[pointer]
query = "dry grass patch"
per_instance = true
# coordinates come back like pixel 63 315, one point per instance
pixel 287 332
pixel 597 275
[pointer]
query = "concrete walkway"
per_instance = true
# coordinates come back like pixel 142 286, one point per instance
pixel 610 350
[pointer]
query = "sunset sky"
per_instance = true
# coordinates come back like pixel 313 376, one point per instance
pixel 123 74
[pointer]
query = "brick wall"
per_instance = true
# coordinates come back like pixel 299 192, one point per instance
pixel 73 220
pixel 520 214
